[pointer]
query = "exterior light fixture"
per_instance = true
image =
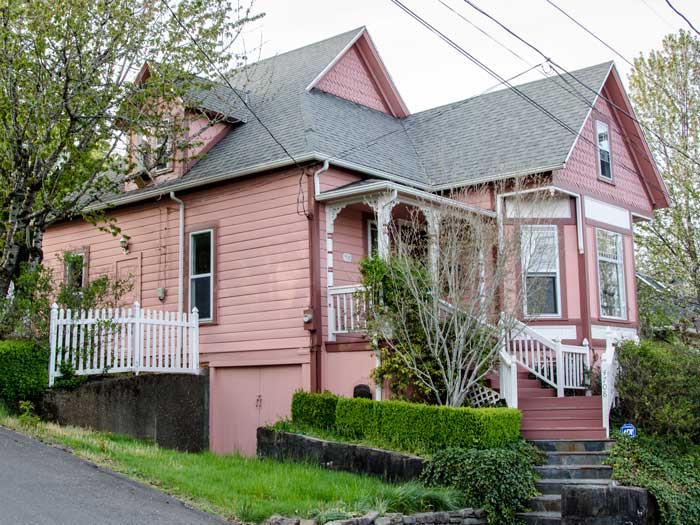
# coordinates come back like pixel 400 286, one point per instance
pixel 124 243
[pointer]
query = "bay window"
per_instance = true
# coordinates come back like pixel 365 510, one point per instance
pixel 540 264
pixel 202 273
pixel 611 274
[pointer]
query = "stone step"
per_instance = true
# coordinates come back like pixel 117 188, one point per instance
pixel 553 486
pixel 563 433
pixel 560 422
pixel 573 445
pixel 574 471
pixel 576 458
pixel 546 503
pixel 540 518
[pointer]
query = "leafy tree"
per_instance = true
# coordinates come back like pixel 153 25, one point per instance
pixel 69 101
pixel 665 88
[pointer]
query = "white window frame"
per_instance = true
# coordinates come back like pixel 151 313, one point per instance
pixel 371 223
pixel 622 284
pixel 557 281
pixel 192 276
pixel 84 276
pixel 597 151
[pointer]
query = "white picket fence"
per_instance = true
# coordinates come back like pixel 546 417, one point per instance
pixel 104 341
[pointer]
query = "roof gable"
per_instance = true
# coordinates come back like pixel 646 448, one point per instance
pixel 358 74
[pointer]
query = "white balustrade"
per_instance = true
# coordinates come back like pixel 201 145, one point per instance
pixel 103 341
pixel 346 310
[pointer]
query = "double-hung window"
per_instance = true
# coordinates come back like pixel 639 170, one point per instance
pixel 74 266
pixel 611 274
pixel 604 156
pixel 540 263
pixel 202 273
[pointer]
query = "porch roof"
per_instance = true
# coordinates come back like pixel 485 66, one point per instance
pixel 364 187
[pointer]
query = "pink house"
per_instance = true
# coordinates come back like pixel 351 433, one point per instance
pixel 270 249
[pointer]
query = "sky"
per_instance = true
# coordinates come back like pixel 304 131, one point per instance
pixel 429 73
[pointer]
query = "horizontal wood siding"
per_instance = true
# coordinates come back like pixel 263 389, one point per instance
pixel 261 264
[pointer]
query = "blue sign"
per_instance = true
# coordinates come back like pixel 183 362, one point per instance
pixel 629 430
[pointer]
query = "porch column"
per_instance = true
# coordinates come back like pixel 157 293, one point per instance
pixel 332 211
pixel 432 218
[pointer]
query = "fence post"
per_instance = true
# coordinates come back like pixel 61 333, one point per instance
pixel 137 338
pixel 194 340
pixel 52 343
pixel 560 367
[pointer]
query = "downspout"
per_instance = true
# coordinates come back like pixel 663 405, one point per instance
pixel 317 177
pixel 180 253
pixel 315 262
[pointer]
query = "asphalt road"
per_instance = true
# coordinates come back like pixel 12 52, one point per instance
pixel 41 485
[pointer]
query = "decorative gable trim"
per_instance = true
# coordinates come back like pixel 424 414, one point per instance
pixel 383 82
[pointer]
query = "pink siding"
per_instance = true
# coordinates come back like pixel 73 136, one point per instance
pixel 581 171
pixel 592 272
pixel 630 279
pixel 350 78
pixel 569 260
pixel 349 239
pixel 343 370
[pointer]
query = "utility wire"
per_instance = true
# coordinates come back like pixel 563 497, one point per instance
pixel 583 84
pixel 243 101
pixel 682 16
pixel 555 6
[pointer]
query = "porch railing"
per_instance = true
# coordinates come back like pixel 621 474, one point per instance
pixel 608 375
pixel 346 310
pixel 119 340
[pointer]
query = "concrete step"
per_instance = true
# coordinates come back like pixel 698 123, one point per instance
pixel 558 421
pixel 548 413
pixel 576 458
pixel 561 402
pixel 573 445
pixel 546 503
pixel 540 518
pixel 574 471
pixel 553 486
pixel 564 433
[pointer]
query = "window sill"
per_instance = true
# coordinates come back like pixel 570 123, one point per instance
pixel 613 319
pixel 544 318
pixel 611 182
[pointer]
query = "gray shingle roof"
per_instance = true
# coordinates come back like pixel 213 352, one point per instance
pixel 481 138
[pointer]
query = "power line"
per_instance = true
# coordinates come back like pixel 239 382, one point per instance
pixel 682 16
pixel 594 91
pixel 243 101
pixel 555 6
pixel 656 13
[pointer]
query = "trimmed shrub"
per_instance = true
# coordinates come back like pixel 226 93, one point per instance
pixel 659 388
pixel 500 481
pixel 414 426
pixel 314 410
pixel 24 371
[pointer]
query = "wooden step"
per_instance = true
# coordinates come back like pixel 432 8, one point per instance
pixel 548 413
pixel 560 422
pixel 564 433
pixel 535 392
pixel 559 402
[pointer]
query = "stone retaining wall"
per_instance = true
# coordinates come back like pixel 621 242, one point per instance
pixel 169 409
pixel 612 505
pixel 359 459
pixel 457 517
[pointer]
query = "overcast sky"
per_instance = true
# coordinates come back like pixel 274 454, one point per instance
pixel 428 73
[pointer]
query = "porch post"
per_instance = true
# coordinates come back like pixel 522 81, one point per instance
pixel 332 212
pixel 432 218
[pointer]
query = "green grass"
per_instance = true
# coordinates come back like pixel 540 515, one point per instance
pixel 236 487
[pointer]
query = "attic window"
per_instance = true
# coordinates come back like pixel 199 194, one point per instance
pixel 153 149
pixel 604 157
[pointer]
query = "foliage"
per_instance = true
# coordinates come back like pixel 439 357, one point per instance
pixel 27 417
pixel 24 367
pixel 665 90
pixel 26 313
pixel 315 410
pixel 500 481
pixel 68 380
pixel 411 425
pixel 668 468
pixel 71 102
pixel 241 489
pixel 659 389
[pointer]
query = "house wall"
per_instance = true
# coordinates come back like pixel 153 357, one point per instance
pixel 262 286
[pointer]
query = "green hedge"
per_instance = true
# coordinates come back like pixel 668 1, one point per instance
pixel 23 371
pixel 315 410
pixel 410 425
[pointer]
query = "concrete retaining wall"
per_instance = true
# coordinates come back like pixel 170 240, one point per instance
pixel 340 456
pixel 169 409
pixel 608 506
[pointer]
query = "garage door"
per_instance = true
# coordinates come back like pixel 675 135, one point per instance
pixel 245 398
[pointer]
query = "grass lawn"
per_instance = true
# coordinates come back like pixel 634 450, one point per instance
pixel 236 487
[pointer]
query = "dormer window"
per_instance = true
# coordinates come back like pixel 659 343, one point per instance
pixel 604 156
pixel 153 149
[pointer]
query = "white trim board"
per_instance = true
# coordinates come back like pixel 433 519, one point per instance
pixel 600 331
pixel 567 332
pixel 606 213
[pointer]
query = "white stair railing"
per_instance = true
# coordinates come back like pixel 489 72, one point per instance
pixel 346 310
pixel 103 341
pixel 608 375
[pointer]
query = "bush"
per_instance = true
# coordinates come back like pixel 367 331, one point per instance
pixel 413 426
pixel 500 481
pixel 668 468
pixel 659 388
pixel 314 410
pixel 24 371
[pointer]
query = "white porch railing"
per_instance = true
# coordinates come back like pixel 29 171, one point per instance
pixel 346 310
pixel 119 340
